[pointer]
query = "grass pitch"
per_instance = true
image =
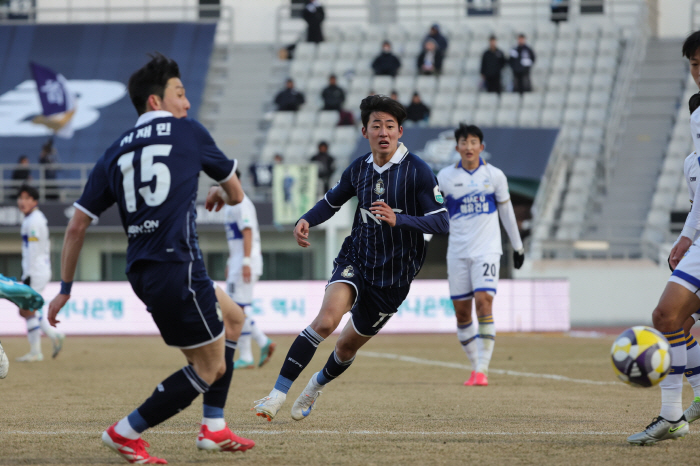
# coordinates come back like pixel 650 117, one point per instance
pixel 552 399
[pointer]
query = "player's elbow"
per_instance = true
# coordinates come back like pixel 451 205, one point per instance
pixel 443 223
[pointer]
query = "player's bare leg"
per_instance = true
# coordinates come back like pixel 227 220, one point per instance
pixel 337 301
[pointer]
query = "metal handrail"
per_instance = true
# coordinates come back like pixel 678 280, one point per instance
pixel 120 14
pixel 68 185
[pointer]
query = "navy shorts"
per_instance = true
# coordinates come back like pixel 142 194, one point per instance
pixel 373 306
pixel 182 300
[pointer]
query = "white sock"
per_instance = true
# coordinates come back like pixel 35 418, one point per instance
pixel 46 327
pixel 672 385
pixel 693 364
pixel 316 382
pixel 214 424
pixel 467 337
pixel 34 335
pixel 260 338
pixel 124 429
pixel 245 352
pixel 485 343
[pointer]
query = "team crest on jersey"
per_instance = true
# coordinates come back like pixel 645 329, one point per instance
pixel 379 187
pixel 438 195
pixel 348 272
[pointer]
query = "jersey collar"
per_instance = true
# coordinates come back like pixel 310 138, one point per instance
pixel 152 115
pixel 396 159
pixel 481 162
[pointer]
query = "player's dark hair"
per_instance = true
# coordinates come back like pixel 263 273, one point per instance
pixel 691 45
pixel 151 79
pixel 30 190
pixel 465 130
pixel 381 103
pixel 694 102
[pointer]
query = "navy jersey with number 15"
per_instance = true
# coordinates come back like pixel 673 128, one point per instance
pixel 152 173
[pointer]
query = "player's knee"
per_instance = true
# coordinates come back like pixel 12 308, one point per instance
pixel 664 319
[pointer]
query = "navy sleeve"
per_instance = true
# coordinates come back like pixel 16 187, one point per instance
pixel 332 201
pixel 214 163
pixel 438 223
pixel 434 218
pixel 97 195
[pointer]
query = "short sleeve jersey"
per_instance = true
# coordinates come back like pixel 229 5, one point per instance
pixel 472 198
pixel 238 218
pixel 386 256
pixel 152 173
pixel 36 247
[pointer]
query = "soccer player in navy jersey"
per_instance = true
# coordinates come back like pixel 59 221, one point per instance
pixel 398 200
pixel 151 172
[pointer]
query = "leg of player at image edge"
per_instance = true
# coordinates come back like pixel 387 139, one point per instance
pixel 4 363
pixel 245 353
pixel 57 338
pixel 479 348
pixel 170 397
pixel 266 345
pixel 692 373
pixel 34 337
pixel 671 423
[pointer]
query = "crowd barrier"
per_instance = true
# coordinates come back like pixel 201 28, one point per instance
pixel 112 308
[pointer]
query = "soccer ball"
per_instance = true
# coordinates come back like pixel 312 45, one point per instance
pixel 640 356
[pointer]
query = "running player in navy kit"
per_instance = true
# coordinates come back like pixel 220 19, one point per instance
pixel 398 200
pixel 152 173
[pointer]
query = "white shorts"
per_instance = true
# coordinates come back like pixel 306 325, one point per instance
pixel 467 276
pixel 687 273
pixel 240 291
pixel 38 283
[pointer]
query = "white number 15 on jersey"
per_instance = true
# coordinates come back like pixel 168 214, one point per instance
pixel 149 169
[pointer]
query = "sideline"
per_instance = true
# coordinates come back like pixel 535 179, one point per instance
pixel 316 432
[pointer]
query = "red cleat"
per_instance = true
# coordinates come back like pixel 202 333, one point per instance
pixel 472 379
pixel 133 451
pixel 481 380
pixel 222 440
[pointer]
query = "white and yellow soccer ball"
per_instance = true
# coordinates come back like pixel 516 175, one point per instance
pixel 640 356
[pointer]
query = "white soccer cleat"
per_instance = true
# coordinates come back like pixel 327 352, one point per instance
pixel 58 344
pixel 307 400
pixel 4 363
pixel 30 357
pixel 693 412
pixel 660 429
pixel 269 406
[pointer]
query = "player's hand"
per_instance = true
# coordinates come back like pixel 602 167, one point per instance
pixel 301 233
pixel 214 200
pixel 518 258
pixel 679 251
pixel 382 211
pixel 246 273
pixel 55 306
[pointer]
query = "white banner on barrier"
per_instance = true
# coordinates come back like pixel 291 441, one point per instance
pixel 112 308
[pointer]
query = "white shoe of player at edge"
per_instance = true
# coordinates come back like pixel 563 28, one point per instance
pixel 4 363
pixel 692 414
pixel 269 406
pixel 307 400
pixel 31 357
pixel 660 429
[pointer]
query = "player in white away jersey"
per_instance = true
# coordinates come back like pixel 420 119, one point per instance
pixel 36 271
pixel 476 194
pixel 244 268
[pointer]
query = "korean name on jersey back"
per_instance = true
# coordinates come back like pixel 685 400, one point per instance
pixel 152 172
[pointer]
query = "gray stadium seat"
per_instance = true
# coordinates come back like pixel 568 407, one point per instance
pixel 596 116
pixel 440 118
pixel 551 117
pixel 283 120
pixel 299 135
pixel 305 119
pixel 532 100
pixel 328 118
pixel 590 149
pixel 305 51
pixel 584 64
pixel 567 30
pixel 443 102
pixel 469 84
pixel 267 154
pixel 609 47
pixel 278 136
pixel 466 101
pixel 382 84
pixel 296 152
pixel 602 82
pixel 577 100
pixel 448 84
pixel 557 82
pixel 529 117
pixel 573 116
pixel 327 51
pixel 561 65
pixel 344 67
pixel 361 84
pixel 472 65
pixel 507 117
pixel 426 84
pixel 554 100
pixel 452 66
pixel 605 64
pixel 322 68
pixel 485 117
pixel 348 50
pixel 510 100
pixel 599 99
pixel 370 50
pixel 299 69
pixel 321 134
pixel 580 82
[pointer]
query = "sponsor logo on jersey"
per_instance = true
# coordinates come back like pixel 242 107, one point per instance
pixel 148 226
pixel 438 195
pixel 348 272
pixel 692 178
pixel 379 187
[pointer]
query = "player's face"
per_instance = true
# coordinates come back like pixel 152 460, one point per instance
pixel 26 203
pixel 174 100
pixel 469 149
pixel 383 133
pixel 695 67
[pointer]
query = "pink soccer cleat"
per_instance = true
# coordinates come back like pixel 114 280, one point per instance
pixel 222 440
pixel 472 379
pixel 481 380
pixel 133 451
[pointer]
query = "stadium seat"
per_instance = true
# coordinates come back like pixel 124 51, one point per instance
pixel 551 117
pixel 529 118
pixel 682 201
pixel 557 83
pixel 487 100
pixel 305 119
pixel 602 82
pixel 567 30
pixel 452 66
pixel 344 67
pixel 370 50
pixel 348 50
pixel 561 65
pixel 448 84
pixel 328 118
pixel 426 85
pixel 363 67
pixel 296 152
pixel 472 65
pixel 299 135
pixel 267 154
pixel 461 115
pixel 382 84
pixel 322 68
pixel 443 102
pixel 554 100
pixel 476 49
pixel 573 116
pixel 510 100
pixel 564 48
pixel 596 116
pixel 327 51
pixel 592 134
pixel 609 47
pixel 466 101
pixel 580 82
pixel 590 149
pixel 361 84
pixel 485 117
pixel 321 134
pixel 314 86
pixel 346 134
pixel 299 69
pixel 584 166
pixel 374 33
pixel 532 100
pixel 305 51
pixel 605 64
pixel 409 53
pixel 584 64
pixel 469 84
pixel 283 120
pixel 599 99
pixel 507 117
pixel 440 118
pixel 278 136
pixel 577 100
pixel 664 199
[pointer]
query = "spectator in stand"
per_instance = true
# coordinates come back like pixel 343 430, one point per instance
pixel 386 63
pixel 521 60
pixel 430 59
pixel 22 173
pixel 492 63
pixel 417 111
pixel 48 156
pixel 333 95
pixel 289 99
pixel 394 95
pixel 326 165
pixel 314 15
pixel 434 34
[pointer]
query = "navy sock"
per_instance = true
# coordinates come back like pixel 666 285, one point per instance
pixel 333 368
pixel 172 396
pixel 298 357
pixel 216 396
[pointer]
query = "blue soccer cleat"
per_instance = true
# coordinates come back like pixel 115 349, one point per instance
pixel 20 294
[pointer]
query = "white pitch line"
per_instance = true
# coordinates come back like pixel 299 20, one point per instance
pixel 454 365
pixel 320 432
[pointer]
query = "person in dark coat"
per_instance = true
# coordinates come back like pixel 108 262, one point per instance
pixel 314 15
pixel 492 63
pixel 434 34
pixel 22 173
pixel 521 60
pixel 430 59
pixel 289 99
pixel 333 95
pixel 386 63
pixel 417 111
pixel 326 165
